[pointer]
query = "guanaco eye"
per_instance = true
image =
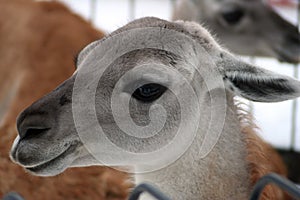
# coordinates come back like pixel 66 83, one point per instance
pixel 233 16
pixel 149 92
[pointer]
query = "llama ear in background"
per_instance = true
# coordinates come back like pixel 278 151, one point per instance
pixel 257 84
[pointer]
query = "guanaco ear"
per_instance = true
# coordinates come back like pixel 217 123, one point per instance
pixel 260 85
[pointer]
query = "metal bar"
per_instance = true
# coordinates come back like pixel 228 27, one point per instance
pixel 277 180
pixel 12 196
pixel 173 3
pixel 131 10
pixel 294 116
pixel 145 187
pixel 93 4
pixel 295 102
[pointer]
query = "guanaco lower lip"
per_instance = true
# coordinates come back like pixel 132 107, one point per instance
pixel 54 160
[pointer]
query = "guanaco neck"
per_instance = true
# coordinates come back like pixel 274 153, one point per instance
pixel 222 174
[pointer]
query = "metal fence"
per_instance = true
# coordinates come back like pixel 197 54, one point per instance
pixel 274 179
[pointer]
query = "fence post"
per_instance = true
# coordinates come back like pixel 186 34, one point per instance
pixel 131 10
pixel 295 102
pixel 93 4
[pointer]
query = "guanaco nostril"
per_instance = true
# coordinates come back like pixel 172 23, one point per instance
pixel 34 132
pixel 32 124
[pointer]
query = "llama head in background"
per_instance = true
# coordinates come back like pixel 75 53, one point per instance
pixel 245 27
